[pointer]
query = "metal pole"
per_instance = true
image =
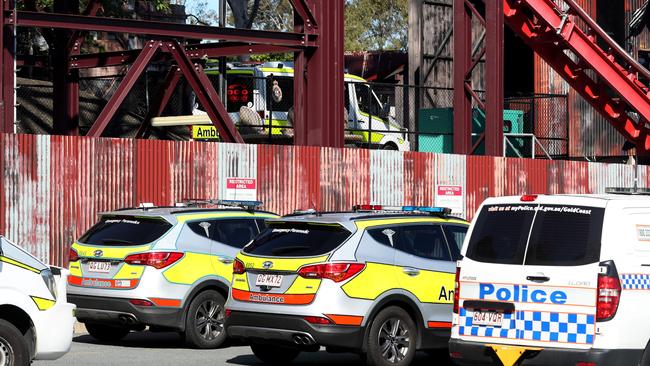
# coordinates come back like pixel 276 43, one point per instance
pixel 222 60
pixel 494 20
pixel 269 100
pixel 369 115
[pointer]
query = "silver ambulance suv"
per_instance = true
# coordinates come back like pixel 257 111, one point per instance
pixel 36 321
pixel 378 281
pixel 555 280
pixel 168 268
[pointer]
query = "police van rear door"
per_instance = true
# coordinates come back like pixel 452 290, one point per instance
pixel 531 273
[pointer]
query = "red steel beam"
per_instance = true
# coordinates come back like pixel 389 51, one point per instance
pixel 494 78
pixel 318 80
pixel 8 72
pixel 302 10
pixel 205 93
pixel 164 29
pixel 462 63
pixel 123 89
pixel 160 101
pixel 211 50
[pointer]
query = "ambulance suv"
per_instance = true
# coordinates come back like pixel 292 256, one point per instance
pixel 555 280
pixel 168 268
pixel 36 322
pixel 376 281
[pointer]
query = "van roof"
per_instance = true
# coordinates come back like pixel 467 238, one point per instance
pixel 570 198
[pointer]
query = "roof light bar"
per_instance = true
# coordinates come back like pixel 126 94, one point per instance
pixel 249 205
pixel 427 209
pixel 529 198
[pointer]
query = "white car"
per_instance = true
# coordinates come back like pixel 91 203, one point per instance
pixel 555 280
pixel 36 321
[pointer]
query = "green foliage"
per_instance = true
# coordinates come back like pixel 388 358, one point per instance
pixel 375 25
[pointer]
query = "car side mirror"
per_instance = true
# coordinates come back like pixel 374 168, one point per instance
pixel 385 111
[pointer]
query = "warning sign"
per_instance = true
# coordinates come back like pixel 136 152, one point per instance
pixel 453 197
pixel 242 189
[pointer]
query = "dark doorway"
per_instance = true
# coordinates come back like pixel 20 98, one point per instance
pixel 519 66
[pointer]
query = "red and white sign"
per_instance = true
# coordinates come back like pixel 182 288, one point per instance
pixel 244 189
pixel 451 196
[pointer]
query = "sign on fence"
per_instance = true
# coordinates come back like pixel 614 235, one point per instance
pixel 452 197
pixel 242 189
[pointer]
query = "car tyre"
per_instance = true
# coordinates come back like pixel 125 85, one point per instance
pixel 392 338
pixel 204 322
pixel 107 333
pixel 390 146
pixel 274 355
pixel 14 349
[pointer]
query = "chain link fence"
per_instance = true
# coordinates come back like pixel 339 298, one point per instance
pixel 376 115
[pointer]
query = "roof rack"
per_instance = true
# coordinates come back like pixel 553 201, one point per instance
pixel 628 191
pixel 246 205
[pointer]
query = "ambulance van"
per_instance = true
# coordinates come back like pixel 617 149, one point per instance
pixel 555 280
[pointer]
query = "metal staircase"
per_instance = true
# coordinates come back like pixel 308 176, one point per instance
pixel 564 35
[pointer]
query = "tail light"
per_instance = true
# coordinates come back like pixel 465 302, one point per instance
pixel 73 256
pixel 157 260
pixel 609 291
pixel 227 313
pixel 336 272
pixel 261 114
pixel 317 320
pixel 238 267
pixel 457 291
pixel 138 302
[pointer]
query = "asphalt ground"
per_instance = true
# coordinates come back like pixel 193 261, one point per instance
pixel 160 349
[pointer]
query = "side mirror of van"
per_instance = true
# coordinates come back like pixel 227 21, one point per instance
pixel 385 112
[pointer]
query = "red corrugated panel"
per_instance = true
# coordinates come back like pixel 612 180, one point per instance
pixel 481 178
pixel 419 178
pixel 344 178
pixel 152 172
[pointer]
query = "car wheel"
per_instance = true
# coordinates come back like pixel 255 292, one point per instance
pixel 392 338
pixel 274 355
pixel 106 333
pixel 204 325
pixel 14 350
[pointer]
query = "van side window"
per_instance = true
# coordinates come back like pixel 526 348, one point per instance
pixel 424 241
pixel 366 99
pixel 500 233
pixel 235 232
pixel 565 236
pixel 455 236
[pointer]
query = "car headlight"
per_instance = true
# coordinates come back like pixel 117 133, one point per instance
pixel 50 282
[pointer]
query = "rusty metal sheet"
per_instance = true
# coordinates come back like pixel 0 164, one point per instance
pixel 344 178
pixel 386 178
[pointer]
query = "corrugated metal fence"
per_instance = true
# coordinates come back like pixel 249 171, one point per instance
pixel 54 186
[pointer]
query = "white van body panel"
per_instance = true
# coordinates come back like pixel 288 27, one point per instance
pixel 625 241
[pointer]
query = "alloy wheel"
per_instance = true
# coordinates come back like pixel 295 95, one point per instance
pixel 6 353
pixel 394 340
pixel 209 320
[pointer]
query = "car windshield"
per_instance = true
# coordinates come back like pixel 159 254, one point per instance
pixel 297 240
pixel 125 231
pixel 547 235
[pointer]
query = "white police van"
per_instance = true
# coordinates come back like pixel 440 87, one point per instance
pixel 555 280
pixel 36 321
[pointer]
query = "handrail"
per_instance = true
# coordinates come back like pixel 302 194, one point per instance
pixel 533 139
pixel 605 37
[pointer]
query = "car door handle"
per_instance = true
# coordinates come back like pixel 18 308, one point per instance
pixel 411 271
pixel 226 260
pixel 538 279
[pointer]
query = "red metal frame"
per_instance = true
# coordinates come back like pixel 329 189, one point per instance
pixel 550 25
pixel 317 45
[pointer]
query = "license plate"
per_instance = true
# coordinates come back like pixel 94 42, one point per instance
pixel 99 267
pixel 491 318
pixel 268 280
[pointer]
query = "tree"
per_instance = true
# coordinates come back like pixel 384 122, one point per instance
pixel 376 25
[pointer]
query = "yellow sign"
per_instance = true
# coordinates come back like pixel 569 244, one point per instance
pixel 510 355
pixel 205 132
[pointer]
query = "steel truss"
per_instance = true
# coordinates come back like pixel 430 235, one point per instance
pixel 317 44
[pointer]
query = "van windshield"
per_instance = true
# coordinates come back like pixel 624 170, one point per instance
pixel 561 235
pixel 297 239
pixel 125 231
